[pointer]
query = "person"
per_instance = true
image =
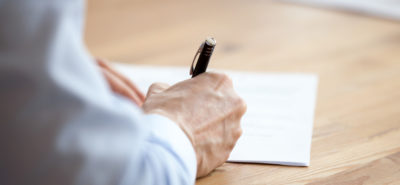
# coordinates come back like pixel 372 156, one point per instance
pixel 67 119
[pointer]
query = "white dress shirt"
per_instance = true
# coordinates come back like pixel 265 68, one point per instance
pixel 60 123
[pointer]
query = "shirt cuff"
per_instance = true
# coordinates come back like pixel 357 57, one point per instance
pixel 171 133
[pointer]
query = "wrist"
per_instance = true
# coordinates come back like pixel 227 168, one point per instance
pixel 174 119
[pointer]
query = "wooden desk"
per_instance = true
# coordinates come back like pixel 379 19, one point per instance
pixel 356 136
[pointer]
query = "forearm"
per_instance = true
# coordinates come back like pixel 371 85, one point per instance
pixel 102 151
pixel 64 125
pixel 168 156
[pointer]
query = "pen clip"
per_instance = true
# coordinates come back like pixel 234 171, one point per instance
pixel 195 56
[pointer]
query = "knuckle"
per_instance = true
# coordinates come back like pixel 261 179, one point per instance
pixel 221 77
pixel 158 86
pixel 225 78
pixel 153 89
pixel 226 82
pixel 213 75
pixel 154 85
pixel 242 106
pixel 222 81
pixel 238 133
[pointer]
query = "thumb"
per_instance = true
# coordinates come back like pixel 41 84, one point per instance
pixel 156 88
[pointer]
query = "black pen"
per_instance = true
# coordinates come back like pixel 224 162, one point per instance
pixel 205 51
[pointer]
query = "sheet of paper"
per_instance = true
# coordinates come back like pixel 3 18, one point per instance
pixel 383 8
pixel 277 127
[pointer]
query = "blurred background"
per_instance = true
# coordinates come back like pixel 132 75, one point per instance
pixel 266 35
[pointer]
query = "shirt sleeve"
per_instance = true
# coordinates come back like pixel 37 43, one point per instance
pixel 60 123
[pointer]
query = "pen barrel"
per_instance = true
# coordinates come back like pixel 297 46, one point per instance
pixel 204 59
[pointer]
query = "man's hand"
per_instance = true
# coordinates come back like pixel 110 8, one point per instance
pixel 209 112
pixel 120 84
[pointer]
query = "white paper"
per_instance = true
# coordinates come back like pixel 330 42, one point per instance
pixel 277 126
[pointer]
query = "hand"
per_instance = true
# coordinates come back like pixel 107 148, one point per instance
pixel 120 84
pixel 207 109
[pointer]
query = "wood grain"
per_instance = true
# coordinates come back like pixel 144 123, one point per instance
pixel 382 171
pixel 356 137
